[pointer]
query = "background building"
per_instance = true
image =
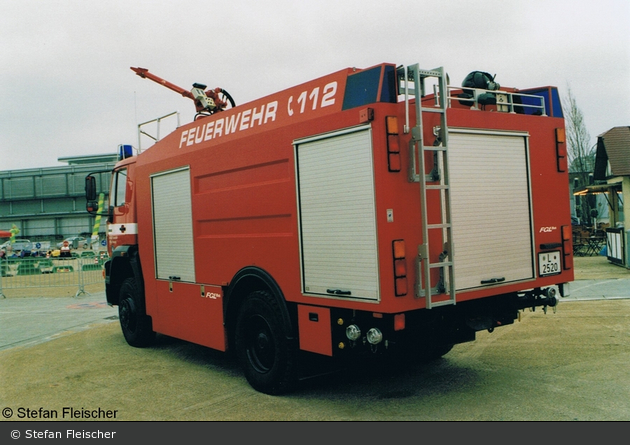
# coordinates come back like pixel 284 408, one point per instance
pixel 612 181
pixel 48 204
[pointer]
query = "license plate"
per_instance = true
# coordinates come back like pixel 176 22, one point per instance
pixel 549 263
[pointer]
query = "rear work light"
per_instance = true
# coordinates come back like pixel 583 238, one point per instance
pixel 400 268
pixel 393 144
pixel 374 336
pixel 353 332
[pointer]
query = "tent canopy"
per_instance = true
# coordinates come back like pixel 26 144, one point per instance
pixel 598 188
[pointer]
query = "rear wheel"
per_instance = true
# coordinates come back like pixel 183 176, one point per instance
pixel 135 323
pixel 266 354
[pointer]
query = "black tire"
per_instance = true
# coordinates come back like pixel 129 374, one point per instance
pixel 264 351
pixel 135 323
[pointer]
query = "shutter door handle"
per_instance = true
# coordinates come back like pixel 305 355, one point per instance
pixel 493 280
pixel 338 292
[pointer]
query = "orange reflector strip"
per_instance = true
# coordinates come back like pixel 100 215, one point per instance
pixel 399 322
pixel 560 135
pixel 392 124
pixel 399 249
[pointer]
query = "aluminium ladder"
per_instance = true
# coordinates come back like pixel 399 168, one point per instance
pixel 437 180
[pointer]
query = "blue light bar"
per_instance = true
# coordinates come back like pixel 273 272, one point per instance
pixel 125 151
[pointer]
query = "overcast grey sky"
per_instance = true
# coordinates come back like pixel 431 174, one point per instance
pixel 66 88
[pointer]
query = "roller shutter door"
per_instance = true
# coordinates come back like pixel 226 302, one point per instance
pixel 172 225
pixel 491 210
pixel 337 216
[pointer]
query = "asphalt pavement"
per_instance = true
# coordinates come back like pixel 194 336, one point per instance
pixel 608 289
pixel 32 320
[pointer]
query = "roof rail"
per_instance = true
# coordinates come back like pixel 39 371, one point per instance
pixel 505 101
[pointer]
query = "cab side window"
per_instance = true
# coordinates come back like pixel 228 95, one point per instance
pixel 119 187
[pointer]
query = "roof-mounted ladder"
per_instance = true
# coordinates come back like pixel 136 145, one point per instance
pixel 412 81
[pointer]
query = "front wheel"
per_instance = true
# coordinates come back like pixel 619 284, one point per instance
pixel 135 323
pixel 263 347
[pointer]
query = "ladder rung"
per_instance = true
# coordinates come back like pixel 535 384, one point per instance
pixel 442 264
pixel 437 187
pixel 432 110
pixel 434 148
pixel 436 293
pixel 442 303
pixel 439 226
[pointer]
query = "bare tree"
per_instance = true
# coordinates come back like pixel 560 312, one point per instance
pixel 581 154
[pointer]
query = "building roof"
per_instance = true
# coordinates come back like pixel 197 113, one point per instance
pixel 90 159
pixel 613 147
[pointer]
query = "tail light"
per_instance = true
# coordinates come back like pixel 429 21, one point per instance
pixel 561 149
pixel 400 268
pixel 393 144
pixel 399 322
pixel 567 247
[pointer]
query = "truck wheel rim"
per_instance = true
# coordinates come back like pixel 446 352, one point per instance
pixel 127 315
pixel 261 350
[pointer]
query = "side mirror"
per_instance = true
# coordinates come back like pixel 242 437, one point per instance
pixel 90 189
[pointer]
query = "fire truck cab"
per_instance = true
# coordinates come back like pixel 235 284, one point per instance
pixel 370 211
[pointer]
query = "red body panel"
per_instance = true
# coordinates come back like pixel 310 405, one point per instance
pixel 314 323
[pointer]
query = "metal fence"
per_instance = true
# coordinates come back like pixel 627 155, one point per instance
pixel 50 273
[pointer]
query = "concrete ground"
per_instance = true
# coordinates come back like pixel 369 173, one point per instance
pixel 73 355
pixel 596 278
pixel 598 268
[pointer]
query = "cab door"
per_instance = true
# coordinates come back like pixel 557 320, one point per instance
pixel 122 227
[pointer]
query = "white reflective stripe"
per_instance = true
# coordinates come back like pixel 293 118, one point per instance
pixel 123 229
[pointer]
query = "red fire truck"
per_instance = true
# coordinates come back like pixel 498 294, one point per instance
pixel 370 211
